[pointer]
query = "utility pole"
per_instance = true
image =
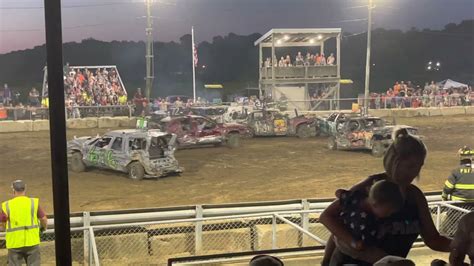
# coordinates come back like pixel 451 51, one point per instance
pixel 149 51
pixel 57 128
pixel 367 63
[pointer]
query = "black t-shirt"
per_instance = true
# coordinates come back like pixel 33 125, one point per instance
pixel 401 229
pixel 398 232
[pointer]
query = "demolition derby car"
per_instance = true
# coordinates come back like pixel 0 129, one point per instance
pixel 193 131
pixel 270 122
pixel 368 133
pixel 136 152
pixel 327 125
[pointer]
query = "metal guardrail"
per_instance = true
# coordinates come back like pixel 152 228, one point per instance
pixel 37 113
pixel 330 103
pixel 162 238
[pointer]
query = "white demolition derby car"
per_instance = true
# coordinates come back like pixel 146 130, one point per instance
pixel 136 152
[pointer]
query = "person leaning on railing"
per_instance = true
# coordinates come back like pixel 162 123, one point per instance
pixel 23 219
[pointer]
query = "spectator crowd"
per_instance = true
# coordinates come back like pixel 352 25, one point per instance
pixel 300 60
pixel 84 87
pixel 407 95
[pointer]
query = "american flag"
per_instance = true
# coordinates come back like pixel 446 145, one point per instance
pixel 195 55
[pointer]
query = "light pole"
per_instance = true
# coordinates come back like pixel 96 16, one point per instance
pixel 367 62
pixel 149 51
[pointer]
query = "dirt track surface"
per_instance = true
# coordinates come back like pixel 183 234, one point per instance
pixel 262 169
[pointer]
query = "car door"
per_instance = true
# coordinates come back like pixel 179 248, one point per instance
pixel 96 155
pixel 204 128
pixel 116 156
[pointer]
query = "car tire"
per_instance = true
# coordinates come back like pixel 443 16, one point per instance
pixel 303 131
pixel 378 150
pixel 332 144
pixel 77 164
pixel 233 140
pixel 136 171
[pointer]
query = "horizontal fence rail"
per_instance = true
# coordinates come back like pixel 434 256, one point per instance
pixel 156 235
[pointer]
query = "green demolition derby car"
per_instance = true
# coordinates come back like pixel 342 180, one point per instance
pixel 137 152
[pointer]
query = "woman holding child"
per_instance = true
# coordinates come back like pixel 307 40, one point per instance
pixel 369 222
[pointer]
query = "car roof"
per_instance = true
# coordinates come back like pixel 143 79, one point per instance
pixel 135 133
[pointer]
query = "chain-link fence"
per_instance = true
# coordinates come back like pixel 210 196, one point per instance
pixel 446 216
pixel 155 242
pixel 47 248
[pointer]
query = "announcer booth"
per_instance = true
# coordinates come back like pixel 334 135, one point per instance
pixel 296 83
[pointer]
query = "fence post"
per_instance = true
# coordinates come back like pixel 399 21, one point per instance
pixel 274 232
pixel 198 231
pixel 87 246
pixel 304 220
pixel 438 216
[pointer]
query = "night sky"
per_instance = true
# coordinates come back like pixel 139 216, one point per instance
pixel 22 21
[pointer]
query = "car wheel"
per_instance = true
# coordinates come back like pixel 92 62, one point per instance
pixel 303 131
pixel 332 144
pixel 233 140
pixel 136 171
pixel 77 164
pixel 378 150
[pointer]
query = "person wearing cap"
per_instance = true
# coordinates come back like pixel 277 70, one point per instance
pixel 23 219
pixel 460 184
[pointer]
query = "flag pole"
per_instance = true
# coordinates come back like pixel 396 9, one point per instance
pixel 194 64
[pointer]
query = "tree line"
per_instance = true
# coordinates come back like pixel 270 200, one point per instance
pixel 232 60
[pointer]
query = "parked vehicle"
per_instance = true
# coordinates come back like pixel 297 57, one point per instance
pixel 193 131
pixel 137 152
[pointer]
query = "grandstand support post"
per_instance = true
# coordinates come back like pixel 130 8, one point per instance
pixel 367 62
pixel 198 231
pixel 260 67
pixel 338 89
pixel 305 220
pixel 57 126
pixel 274 232
pixel 87 246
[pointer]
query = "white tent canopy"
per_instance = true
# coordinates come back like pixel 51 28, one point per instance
pixel 448 83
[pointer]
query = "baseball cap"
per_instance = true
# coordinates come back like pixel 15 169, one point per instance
pixel 18 185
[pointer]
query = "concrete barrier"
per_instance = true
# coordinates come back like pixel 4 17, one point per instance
pixel 453 111
pixel 82 123
pixel 236 240
pixel 47 250
pixel 3 256
pixel 122 246
pixel 287 236
pixel 127 122
pixel 16 126
pixel 164 246
pixel 469 110
pixel 381 112
pixel 108 122
pixel 40 125
pixel 434 111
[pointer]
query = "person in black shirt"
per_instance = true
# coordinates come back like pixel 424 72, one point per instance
pixel 361 214
pixel 402 162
